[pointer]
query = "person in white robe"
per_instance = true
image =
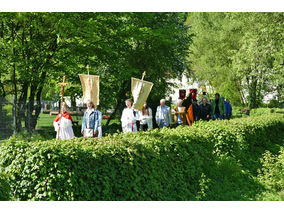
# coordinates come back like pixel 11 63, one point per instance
pixel 63 124
pixel 100 131
pixel 128 118
pixel 145 118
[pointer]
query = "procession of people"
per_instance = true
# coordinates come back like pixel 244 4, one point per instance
pixel 137 115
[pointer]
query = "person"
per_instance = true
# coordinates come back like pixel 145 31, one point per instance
pixel 228 108
pixel 90 122
pixel 100 116
pixel 63 124
pixel 195 110
pixel 205 110
pixel 128 118
pixel 180 114
pixel 187 103
pixel 163 115
pixel 145 118
pixel 218 108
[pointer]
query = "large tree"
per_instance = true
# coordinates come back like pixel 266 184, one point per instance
pixel 37 49
pixel 238 53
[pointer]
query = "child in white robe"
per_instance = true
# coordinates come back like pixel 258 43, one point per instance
pixel 63 125
pixel 128 118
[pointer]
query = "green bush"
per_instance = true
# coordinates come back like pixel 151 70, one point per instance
pixel 5 192
pixel 208 161
pixel 265 111
pixel 272 176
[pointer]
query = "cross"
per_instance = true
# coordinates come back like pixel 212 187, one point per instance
pixel 62 84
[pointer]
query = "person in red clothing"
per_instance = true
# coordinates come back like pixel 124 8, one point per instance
pixel 63 124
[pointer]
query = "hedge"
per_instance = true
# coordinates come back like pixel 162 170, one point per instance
pixel 265 111
pixel 208 161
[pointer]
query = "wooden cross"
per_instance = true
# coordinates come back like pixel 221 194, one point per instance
pixel 62 84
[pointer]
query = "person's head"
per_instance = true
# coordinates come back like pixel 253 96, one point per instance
pixel 90 104
pixel 179 102
pixel 204 101
pixel 128 103
pixel 145 109
pixel 64 107
pixel 217 96
pixel 163 102
pixel 223 99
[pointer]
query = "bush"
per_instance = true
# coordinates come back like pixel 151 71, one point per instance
pixel 272 176
pixel 5 193
pixel 265 111
pixel 208 161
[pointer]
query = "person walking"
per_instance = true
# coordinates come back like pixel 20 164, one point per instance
pixel 218 108
pixel 128 118
pixel 63 124
pixel 180 114
pixel 90 122
pixel 195 107
pixel 228 109
pixel 145 118
pixel 205 110
pixel 163 115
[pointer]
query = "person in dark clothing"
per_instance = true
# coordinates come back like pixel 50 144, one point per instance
pixel 218 108
pixel 187 103
pixel 205 110
pixel 195 110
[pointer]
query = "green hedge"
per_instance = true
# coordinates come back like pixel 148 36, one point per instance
pixel 208 161
pixel 5 191
pixel 265 111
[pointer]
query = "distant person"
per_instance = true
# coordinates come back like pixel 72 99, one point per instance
pixel 128 118
pixel 187 103
pixel 145 118
pixel 180 114
pixel 195 110
pixel 205 110
pixel 163 115
pixel 100 117
pixel 63 124
pixel 228 109
pixel 90 122
pixel 218 108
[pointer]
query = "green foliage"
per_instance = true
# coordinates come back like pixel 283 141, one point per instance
pixel 265 111
pixel 273 103
pixel 239 53
pixel 272 176
pixel 5 191
pixel 208 161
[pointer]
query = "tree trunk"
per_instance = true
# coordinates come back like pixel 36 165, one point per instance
pixel 119 105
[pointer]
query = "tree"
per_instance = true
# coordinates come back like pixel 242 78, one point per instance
pixel 39 48
pixel 238 53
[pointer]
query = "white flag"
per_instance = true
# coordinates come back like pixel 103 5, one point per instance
pixel 140 90
pixel 91 88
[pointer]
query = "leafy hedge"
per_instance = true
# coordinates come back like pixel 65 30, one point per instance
pixel 5 192
pixel 265 111
pixel 208 161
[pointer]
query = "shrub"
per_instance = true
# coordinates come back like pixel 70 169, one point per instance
pixel 5 193
pixel 208 161
pixel 272 176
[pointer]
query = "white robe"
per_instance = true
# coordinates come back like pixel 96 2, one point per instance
pixel 66 131
pixel 128 120
pixel 100 131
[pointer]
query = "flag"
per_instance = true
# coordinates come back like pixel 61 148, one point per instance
pixel 140 90
pixel 91 88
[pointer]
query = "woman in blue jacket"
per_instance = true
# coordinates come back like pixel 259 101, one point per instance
pixel 90 122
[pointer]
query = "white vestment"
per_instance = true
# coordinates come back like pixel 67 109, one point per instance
pixel 66 131
pixel 100 131
pixel 128 120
